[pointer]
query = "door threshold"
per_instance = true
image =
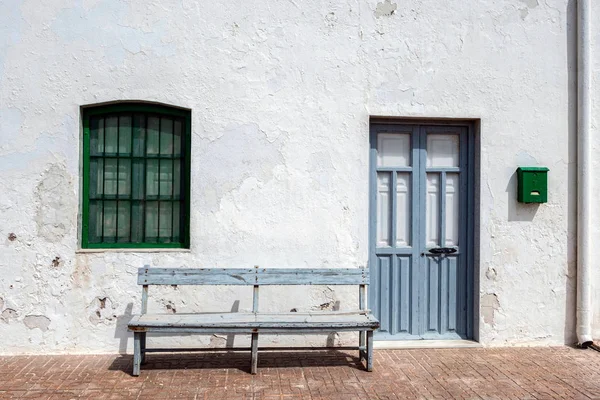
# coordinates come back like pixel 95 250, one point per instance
pixel 425 344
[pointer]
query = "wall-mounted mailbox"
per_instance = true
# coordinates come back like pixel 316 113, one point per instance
pixel 533 184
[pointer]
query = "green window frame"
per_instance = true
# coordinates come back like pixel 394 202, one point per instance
pixel 136 176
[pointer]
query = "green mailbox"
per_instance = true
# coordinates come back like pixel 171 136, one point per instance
pixel 533 184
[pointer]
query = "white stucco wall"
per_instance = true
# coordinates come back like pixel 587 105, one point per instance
pixel 281 93
pixel 595 90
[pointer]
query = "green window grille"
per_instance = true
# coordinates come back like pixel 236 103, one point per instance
pixel 136 177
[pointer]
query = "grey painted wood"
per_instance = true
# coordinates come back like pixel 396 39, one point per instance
pixel 250 323
pixel 143 347
pixel 298 329
pixel 254 354
pixel 284 322
pixel 228 349
pixel 137 353
pixel 144 299
pixel 258 276
pixel 362 297
pixel 196 276
pixel 416 295
pixel 304 276
pixel 255 298
pixel 370 351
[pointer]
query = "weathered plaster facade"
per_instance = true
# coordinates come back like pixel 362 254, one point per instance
pixel 281 93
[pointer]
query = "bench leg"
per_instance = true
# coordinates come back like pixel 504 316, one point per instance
pixel 137 353
pixel 143 347
pixel 369 351
pixel 361 344
pixel 254 354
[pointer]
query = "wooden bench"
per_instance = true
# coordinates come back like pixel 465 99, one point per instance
pixel 254 322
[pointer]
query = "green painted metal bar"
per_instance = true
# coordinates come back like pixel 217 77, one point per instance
pixel 158 177
pixel 103 176
pixel 118 171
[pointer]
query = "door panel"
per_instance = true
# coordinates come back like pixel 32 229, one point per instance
pixel 420 177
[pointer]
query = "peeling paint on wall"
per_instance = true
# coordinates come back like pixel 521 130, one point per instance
pixel 529 4
pixel 281 96
pixel 489 305
pixel 102 311
pixel 385 8
pixel 8 315
pixel 56 205
pixel 37 322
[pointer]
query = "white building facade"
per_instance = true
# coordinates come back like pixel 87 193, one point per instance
pixel 282 128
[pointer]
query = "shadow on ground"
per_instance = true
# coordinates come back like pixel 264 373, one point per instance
pixel 238 360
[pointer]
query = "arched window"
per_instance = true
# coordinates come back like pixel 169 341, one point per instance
pixel 136 167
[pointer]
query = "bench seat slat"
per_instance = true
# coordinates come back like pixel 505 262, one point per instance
pixel 216 321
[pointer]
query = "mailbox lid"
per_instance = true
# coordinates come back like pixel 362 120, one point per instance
pixel 532 169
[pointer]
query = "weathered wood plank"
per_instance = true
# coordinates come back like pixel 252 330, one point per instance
pixel 254 323
pixel 370 351
pixel 189 276
pixel 251 321
pixel 144 299
pixel 254 276
pixel 137 353
pixel 277 348
pixel 306 276
pixel 223 330
pixel 254 354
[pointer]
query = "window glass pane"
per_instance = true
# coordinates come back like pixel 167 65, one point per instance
pixel 152 177
pixel 151 221
pixel 139 133
pixel 125 134
pixel 101 134
pixel 442 150
pixel 452 209
pixel 177 179
pixel 177 132
pixel 96 177
pixel 124 223
pixel 393 150
pixel 110 221
pixel 165 221
pixel 152 136
pixel 110 176
pixel 111 137
pixel 166 177
pixel 138 178
pixel 432 214
pixel 166 136
pixel 95 221
pixel 176 218
pixel 403 212
pixel 124 177
pixel 95 123
pixel 383 209
pixel 137 221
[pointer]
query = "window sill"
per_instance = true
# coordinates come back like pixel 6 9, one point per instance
pixel 174 250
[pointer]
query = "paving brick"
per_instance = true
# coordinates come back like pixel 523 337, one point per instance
pixel 498 373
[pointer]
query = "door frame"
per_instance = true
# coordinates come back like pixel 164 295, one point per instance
pixel 472 219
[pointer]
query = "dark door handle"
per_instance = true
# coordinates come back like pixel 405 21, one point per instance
pixel 442 250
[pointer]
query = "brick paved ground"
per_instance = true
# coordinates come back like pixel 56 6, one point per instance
pixel 507 373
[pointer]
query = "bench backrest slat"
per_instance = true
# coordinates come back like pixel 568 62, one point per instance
pixel 318 276
pixel 202 276
pixel 253 276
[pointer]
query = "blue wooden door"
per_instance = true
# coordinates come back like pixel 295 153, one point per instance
pixel 420 240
